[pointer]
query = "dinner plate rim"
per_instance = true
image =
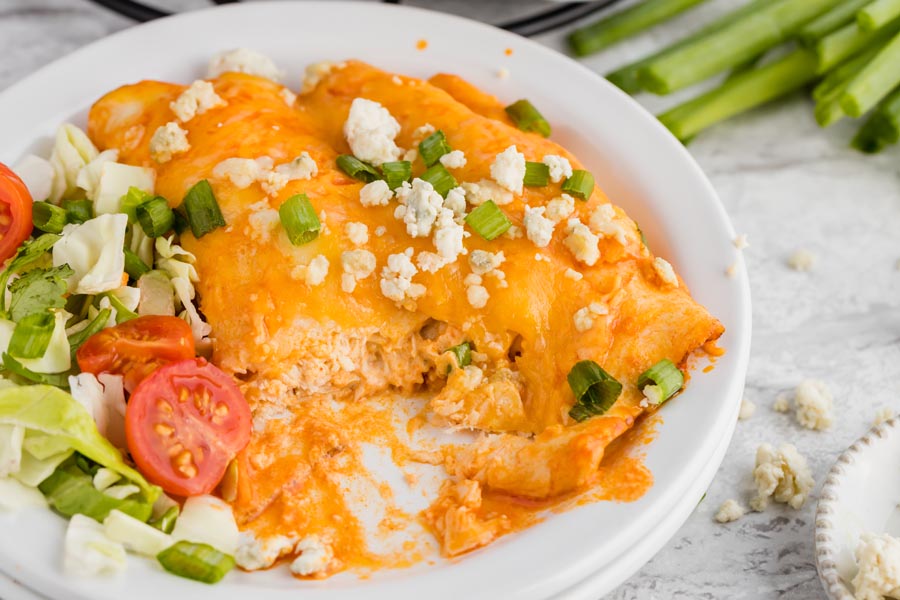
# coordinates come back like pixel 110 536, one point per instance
pixel 738 332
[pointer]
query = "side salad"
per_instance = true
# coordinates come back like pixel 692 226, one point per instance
pixel 110 413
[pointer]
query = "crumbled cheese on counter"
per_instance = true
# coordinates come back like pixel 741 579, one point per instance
pixel 243 60
pixel 574 275
pixel 582 242
pixel 315 556
pixel 508 170
pixel 502 73
pixel 883 415
pixel 419 207
pixel 560 208
pixel 262 221
pixel 314 273
pixel 584 317
pixel 782 475
pixel 316 72
pixel 396 278
pixel 455 159
pixel 748 408
pixel 376 193
pixel 665 271
pixel 357 233
pixel 476 293
pixel 302 167
pixel 730 511
pixel 878 559
pixel 380 230
pixel 198 98
pixel 254 554
pixel 357 264
pixel 289 97
pixel 479 193
pixel 782 403
pixel 560 167
pixel 168 140
pixel 538 228
pixel 243 172
pixel 731 271
pixel 603 221
pixel 801 260
pixel 740 242
pixel 814 405
pixel 483 262
pixel 370 131
pixel 456 202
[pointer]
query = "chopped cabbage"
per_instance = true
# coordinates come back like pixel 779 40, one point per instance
pixel 185 291
pixel 37 174
pixel 89 176
pixel 87 550
pixel 72 150
pixel 141 244
pixel 122 491
pixel 175 260
pixel 104 399
pixel 11 438
pixel 105 478
pixel 208 520
pixel 15 495
pixel 33 471
pixel 95 251
pixel 130 297
pixel 115 181
pixel 135 535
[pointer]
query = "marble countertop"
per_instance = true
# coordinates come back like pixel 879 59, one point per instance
pixel 786 184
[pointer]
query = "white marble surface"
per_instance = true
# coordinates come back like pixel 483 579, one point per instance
pixel 788 185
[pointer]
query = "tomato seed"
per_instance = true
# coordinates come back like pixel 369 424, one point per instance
pixel 164 430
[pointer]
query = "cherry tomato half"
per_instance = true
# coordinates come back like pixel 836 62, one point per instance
pixel 136 348
pixel 184 424
pixel 15 212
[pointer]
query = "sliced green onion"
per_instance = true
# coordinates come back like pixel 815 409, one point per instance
pixel 200 562
pixel 122 312
pixel 488 221
pixel 95 326
pixel 882 128
pixel 299 219
pixel 463 354
pixel 595 390
pixel 180 222
pixel 537 174
pixel 130 201
pixel 78 211
pixel 432 148
pixel 87 465
pixel 357 169
pixel 875 81
pixel 202 210
pixel 166 521
pixel 48 217
pixel 527 118
pixel 134 266
pixel 440 178
pixel 661 381
pixel 155 216
pixel 580 184
pixel 395 173
pixel 830 20
pixel 614 28
pixel 878 14
pixel 60 380
pixel 848 41
pixel 31 337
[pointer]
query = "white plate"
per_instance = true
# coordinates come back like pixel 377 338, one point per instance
pixel 636 161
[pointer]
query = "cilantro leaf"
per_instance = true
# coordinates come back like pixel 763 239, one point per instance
pixel 38 290
pixel 28 253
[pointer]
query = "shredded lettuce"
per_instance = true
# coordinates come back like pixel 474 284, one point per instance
pixel 208 520
pixel 157 294
pixel 15 495
pixel 11 438
pixel 33 471
pixel 105 478
pixel 88 552
pixel 89 176
pixel 51 411
pixel 136 535
pixel 104 399
pixel 115 181
pixel 95 251
pixel 185 292
pixel 37 173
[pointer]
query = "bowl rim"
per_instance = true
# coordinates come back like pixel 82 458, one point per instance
pixel 827 545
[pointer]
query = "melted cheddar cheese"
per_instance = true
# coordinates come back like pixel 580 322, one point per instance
pixel 298 347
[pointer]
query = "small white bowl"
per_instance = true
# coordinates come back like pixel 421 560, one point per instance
pixel 861 494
